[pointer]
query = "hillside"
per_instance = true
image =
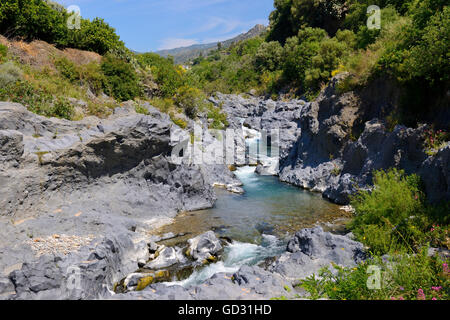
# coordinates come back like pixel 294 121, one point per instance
pixel 184 54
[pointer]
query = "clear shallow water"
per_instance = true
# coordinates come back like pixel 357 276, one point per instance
pixel 259 222
pixel 268 206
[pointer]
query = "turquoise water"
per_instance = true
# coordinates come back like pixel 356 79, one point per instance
pixel 267 207
pixel 259 222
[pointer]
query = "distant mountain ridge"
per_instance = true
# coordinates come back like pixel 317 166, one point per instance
pixel 184 54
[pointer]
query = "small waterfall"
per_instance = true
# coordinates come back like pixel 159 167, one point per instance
pixel 235 256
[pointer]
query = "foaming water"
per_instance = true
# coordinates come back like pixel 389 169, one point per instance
pixel 235 256
pixel 258 221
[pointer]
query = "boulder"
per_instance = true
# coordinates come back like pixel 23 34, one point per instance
pixel 312 249
pixel 11 147
pixel 204 246
pixel 435 174
pixel 167 257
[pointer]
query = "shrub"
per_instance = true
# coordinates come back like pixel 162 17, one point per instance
pixel 168 76
pixel 9 74
pixel 163 104
pixel 389 216
pixel 3 52
pixel 92 76
pixel 45 20
pixel 190 100
pixel 33 19
pixel 219 118
pixel 406 277
pixel 269 56
pixel 61 108
pixel 179 122
pixel 434 140
pixel 121 79
pixel 141 109
pixel 95 35
pixel 66 68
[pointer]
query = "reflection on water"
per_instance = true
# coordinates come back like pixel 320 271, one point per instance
pixel 268 206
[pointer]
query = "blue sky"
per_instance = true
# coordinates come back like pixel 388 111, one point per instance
pixel 150 25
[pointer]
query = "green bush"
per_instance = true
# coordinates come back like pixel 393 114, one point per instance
pixel 141 109
pixel 121 79
pixel 179 122
pixel 9 74
pixel 92 76
pixel 67 68
pixel 291 16
pixel 3 53
pixel 36 100
pixel 39 19
pixel 406 277
pixel 389 216
pixel 61 108
pixel 269 56
pixel 190 100
pixel 33 19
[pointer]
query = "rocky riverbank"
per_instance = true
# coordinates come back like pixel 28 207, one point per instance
pixel 306 253
pixel 333 144
pixel 78 199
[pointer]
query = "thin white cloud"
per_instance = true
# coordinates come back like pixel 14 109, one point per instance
pixel 171 43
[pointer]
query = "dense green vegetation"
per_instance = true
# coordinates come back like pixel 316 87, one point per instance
pixel 392 219
pixel 45 20
pixel 310 41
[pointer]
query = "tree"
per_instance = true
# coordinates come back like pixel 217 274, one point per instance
pixel 121 79
pixel 269 56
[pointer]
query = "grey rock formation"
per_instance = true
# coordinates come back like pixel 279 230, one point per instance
pixel 263 115
pixel 435 173
pixel 312 249
pixel 327 158
pixel 87 274
pixel 110 180
pixel 167 257
pixel 249 283
pixel 204 246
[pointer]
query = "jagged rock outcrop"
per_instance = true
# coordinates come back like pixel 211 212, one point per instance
pixel 87 274
pixel 377 148
pixel 312 249
pixel 121 164
pixel 103 179
pixel 261 114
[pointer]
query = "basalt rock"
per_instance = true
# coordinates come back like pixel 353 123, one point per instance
pixel 103 179
pixel 204 246
pixel 312 249
pixel 328 157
